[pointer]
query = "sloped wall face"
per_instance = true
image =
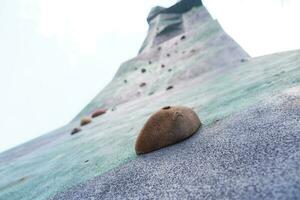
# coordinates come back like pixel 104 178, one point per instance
pixel 166 23
pixel 207 74
pixel 179 46
pixel 163 28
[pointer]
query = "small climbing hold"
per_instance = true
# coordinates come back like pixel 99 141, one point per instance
pixel 168 55
pixel 98 112
pixel 175 43
pixel 168 126
pixel 75 130
pixel 169 88
pixel 150 62
pixel 182 37
pixel 113 108
pixel 86 161
pixel 125 81
pixel 143 70
pixel 151 93
pixel 169 70
pixel 85 120
pixel 162 65
pixel 193 51
pixel 244 60
pixel 142 84
pixel 183 52
pixel 159 48
pixel 23 179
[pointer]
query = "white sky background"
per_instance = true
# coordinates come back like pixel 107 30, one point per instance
pixel 56 55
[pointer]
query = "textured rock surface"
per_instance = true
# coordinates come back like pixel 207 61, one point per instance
pixel 251 155
pixel 205 47
pixel 169 125
pixel 166 23
pixel 211 74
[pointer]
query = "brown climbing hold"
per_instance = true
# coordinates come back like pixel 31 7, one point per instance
pixel 75 130
pixel 168 126
pixel 162 66
pixel 183 37
pixel 85 120
pixel 169 88
pixel 98 112
pixel 142 84
pixel 143 70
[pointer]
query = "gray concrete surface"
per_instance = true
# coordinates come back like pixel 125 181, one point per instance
pixel 254 154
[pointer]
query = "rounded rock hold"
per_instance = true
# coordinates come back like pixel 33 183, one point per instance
pixel 168 126
pixel 98 113
pixel 169 87
pixel 143 84
pixel 85 120
pixel 75 130
pixel 244 60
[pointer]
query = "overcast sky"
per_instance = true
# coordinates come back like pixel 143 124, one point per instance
pixel 56 55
